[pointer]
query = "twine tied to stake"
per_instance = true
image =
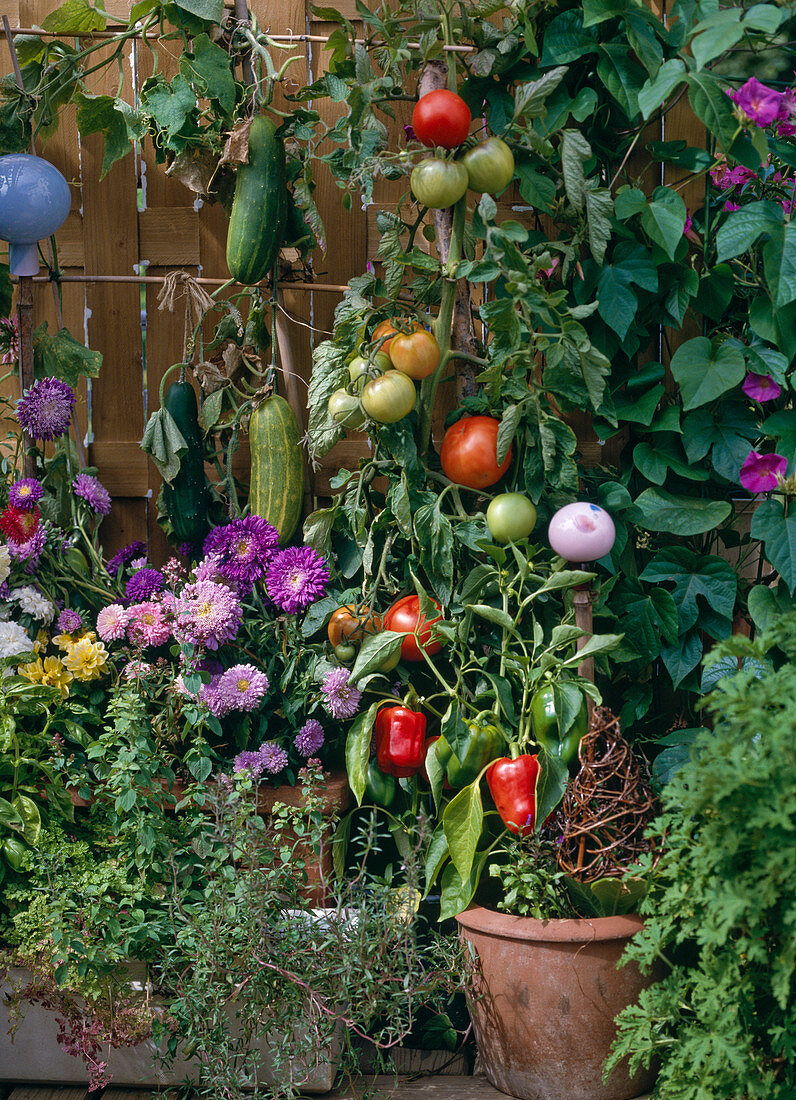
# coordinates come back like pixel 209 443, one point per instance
pixel 197 303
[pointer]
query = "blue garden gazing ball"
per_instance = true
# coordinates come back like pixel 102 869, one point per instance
pixel 34 202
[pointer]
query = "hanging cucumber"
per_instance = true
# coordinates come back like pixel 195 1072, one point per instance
pixel 186 497
pixel 257 222
pixel 277 466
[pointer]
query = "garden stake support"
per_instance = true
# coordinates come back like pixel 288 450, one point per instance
pixel 584 618
pixel 26 372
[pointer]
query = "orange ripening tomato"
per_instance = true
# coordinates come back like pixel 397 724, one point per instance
pixel 391 327
pixel 348 624
pixel 469 452
pixel 415 353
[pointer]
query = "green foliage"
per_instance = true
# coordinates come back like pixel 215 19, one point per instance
pixel 722 910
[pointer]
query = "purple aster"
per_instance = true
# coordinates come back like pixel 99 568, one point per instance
pixel 273 757
pixel 309 738
pixel 44 410
pixel 760 473
pixel 93 492
pixel 249 762
pixel 143 585
pixel 25 494
pixel 760 104
pixel 69 621
pixel 127 553
pixel 243 548
pixel 29 551
pixel 243 686
pixel 207 614
pixel 296 578
pixel 340 699
pixel 214 699
pixel 761 387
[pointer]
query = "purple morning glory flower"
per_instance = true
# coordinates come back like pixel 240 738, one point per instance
pixel 25 494
pixel 296 578
pixel 93 492
pixel 45 409
pixel 760 104
pixel 761 387
pixel 760 473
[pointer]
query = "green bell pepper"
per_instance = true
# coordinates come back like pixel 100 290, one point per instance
pixel 380 788
pixel 546 726
pixel 484 742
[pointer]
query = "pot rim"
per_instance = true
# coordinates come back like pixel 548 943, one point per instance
pixel 490 922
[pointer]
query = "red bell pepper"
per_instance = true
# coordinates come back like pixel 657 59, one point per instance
pixel 400 741
pixel 512 784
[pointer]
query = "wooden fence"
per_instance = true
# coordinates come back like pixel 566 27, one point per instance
pixel 138 219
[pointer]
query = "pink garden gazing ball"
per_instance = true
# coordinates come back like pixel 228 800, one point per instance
pixel 581 532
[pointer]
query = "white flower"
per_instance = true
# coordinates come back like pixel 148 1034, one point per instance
pixel 33 603
pixel 5 563
pixel 13 640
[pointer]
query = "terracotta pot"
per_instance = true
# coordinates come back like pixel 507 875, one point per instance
pixel 543 1001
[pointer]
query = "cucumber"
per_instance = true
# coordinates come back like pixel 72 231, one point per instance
pixel 276 491
pixel 186 497
pixel 257 222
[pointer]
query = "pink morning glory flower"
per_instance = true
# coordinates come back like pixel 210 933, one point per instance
pixel 761 387
pixel 760 104
pixel 760 473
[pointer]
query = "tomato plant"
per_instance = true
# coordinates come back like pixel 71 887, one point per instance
pixel 510 516
pixel 360 366
pixel 349 625
pixel 469 452
pixel 441 118
pixel 415 353
pixel 345 409
pixel 490 166
pixel 384 328
pixel 437 183
pixel 404 617
pixel 389 397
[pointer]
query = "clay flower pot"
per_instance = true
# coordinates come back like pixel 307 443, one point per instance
pixel 543 1002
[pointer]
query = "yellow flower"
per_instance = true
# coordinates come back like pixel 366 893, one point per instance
pixel 64 641
pixel 56 675
pixel 42 638
pixel 86 660
pixel 33 671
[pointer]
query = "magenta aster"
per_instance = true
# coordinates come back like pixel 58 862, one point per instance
pixel 761 387
pixel 44 410
pixel 69 621
pixel 296 578
pixel 207 614
pixel 760 104
pixel 112 622
pixel 242 549
pixel 25 494
pixel 147 624
pixel 339 698
pixel 309 738
pixel 93 492
pixel 760 473
pixel 273 757
pixel 143 585
pixel 243 686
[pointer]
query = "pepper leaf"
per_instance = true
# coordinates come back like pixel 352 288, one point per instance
pixel 357 750
pixel 462 821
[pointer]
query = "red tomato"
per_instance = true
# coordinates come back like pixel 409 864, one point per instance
pixel 441 118
pixel 404 618
pixel 415 353
pixel 469 452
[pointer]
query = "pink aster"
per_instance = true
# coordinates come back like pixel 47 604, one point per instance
pixel 207 614
pixel 761 387
pixel 760 473
pixel 760 104
pixel 243 686
pixel 147 624
pixel 339 697
pixel 112 622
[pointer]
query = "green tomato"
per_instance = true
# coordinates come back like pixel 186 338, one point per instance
pixel 346 410
pixel 510 517
pixel 360 366
pixel 490 166
pixel 389 397
pixel 437 183
pixel 345 653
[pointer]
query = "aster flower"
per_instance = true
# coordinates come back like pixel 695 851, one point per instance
pixel 5 564
pixel 340 699
pixel 243 548
pixel 69 621
pixel 243 686
pixel 760 473
pixel 273 757
pixel 93 492
pixel 127 553
pixel 760 104
pixel 19 524
pixel 28 551
pixel 45 409
pixel 14 640
pixel 207 614
pixel 112 622
pixel 249 762
pixel 214 699
pixel 761 387
pixel 147 624
pixel 309 738
pixel 143 585
pixel 296 578
pixel 138 563
pixel 25 494
pixel 33 603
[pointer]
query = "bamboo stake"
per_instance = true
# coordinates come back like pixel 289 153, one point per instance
pixel 26 374
pixel 332 288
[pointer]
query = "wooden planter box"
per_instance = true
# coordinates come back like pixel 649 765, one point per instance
pixel 35 1057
